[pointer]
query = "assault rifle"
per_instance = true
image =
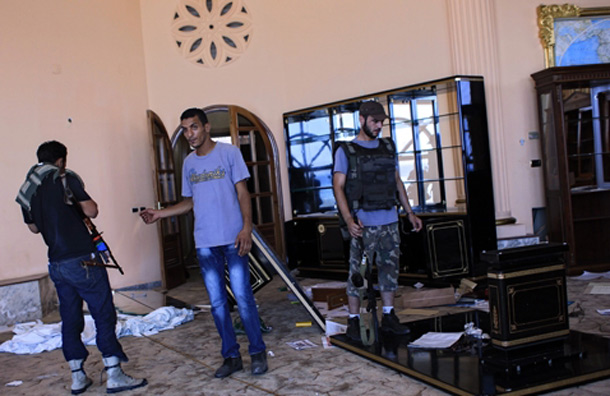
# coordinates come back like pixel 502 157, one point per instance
pixel 102 247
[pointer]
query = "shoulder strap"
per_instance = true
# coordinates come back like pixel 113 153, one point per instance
pixel 351 152
pixel 388 143
pixel 33 180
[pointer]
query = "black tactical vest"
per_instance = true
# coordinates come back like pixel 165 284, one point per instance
pixel 371 175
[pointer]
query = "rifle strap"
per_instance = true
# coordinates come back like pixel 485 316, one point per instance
pixel 367 322
pixel 70 200
pixel 367 332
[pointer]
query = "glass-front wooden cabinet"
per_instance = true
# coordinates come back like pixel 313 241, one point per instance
pixel 440 132
pixel 574 108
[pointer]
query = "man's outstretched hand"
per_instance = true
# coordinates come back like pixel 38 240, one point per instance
pixel 149 216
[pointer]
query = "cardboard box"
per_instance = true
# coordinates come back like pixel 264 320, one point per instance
pixel 332 296
pixel 419 298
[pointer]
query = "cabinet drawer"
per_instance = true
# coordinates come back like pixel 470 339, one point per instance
pixel 591 205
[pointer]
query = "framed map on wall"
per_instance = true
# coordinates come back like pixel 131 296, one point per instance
pixel 582 41
pixel 572 36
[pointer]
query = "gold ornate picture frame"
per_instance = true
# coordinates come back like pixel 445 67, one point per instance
pixel 547 18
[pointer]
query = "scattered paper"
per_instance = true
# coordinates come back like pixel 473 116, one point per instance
pixel 586 275
pixel 479 304
pixel 47 376
pixel 436 340
pixel 471 330
pixel 333 328
pixel 482 305
pixel 330 285
pixel 302 344
pixel 326 342
pixel 14 383
pixel 604 312
pixel 598 288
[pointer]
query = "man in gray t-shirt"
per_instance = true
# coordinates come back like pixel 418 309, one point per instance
pixel 214 187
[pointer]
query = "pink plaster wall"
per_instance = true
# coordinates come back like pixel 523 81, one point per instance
pixel 82 60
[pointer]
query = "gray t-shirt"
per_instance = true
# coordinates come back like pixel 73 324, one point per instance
pixel 210 180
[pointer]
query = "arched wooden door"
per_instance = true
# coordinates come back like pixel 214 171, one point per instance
pixel 172 269
pixel 237 126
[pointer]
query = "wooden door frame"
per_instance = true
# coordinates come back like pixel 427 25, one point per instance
pixel 154 122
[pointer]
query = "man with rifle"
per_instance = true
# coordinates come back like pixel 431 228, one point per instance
pixel 54 203
pixel 367 187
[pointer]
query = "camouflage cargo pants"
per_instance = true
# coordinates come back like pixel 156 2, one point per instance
pixel 382 243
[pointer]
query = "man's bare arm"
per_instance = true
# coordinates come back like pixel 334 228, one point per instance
pixel 244 239
pixel 33 228
pixel 151 215
pixel 354 227
pixel 89 208
pixel 404 201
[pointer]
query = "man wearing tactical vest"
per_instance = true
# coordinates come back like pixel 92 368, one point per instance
pixel 368 188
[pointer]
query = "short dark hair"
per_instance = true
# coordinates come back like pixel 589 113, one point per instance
pixel 194 112
pixel 51 151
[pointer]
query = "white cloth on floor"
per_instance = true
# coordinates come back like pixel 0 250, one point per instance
pixel 36 337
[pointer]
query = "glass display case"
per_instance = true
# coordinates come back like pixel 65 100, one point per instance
pixel 426 130
pixel 310 161
pixel 440 132
pixel 574 108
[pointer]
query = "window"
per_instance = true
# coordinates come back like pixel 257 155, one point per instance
pixel 434 127
pixel 426 129
pixel 586 112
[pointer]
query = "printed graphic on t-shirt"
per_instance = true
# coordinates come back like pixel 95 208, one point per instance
pixel 218 173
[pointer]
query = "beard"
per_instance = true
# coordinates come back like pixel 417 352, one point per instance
pixel 368 132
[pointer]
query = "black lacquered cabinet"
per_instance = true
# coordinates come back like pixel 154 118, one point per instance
pixel 440 132
pixel 315 244
pixel 439 250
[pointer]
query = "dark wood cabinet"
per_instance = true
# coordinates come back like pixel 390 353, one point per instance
pixel 573 106
pixel 439 129
pixel 440 250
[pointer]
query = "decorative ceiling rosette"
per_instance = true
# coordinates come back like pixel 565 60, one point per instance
pixel 212 33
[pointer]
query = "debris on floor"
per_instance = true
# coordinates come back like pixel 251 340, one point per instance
pixel 302 344
pixel 36 337
pixel 598 288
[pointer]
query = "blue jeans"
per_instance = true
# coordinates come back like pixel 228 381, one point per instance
pixel 212 264
pixel 74 283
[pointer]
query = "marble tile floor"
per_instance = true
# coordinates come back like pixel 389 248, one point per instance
pixel 182 361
